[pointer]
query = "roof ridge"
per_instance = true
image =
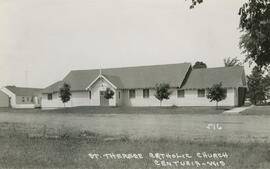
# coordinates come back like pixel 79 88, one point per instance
pixel 133 66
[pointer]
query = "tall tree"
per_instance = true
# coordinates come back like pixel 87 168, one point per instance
pixel 229 62
pixel 255 25
pixel 162 92
pixel 216 93
pixel 65 93
pixel 257 89
pixel 199 65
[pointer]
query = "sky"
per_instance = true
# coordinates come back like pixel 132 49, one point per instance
pixel 42 40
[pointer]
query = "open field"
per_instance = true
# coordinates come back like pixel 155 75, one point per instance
pixel 257 110
pixel 234 128
pixel 64 138
pixel 18 151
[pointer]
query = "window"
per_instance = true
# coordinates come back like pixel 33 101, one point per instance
pixel 23 99
pixel 50 96
pixel 32 99
pixel 145 93
pixel 180 93
pixel 131 93
pixel 119 94
pixel 27 99
pixel 90 94
pixel 201 93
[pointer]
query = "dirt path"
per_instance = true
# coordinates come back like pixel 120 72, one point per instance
pixel 237 110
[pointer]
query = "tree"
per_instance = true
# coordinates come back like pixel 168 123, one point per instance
pixel 229 62
pixel 65 93
pixel 162 91
pixel 257 88
pixel 199 65
pixel 255 25
pixel 216 93
pixel 266 83
pixel 108 93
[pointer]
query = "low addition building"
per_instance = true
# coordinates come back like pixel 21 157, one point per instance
pixel 4 100
pixel 135 86
pixel 22 97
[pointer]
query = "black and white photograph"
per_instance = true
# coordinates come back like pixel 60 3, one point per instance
pixel 134 84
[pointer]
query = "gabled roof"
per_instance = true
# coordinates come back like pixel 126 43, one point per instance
pixel 131 77
pixel 205 78
pixel 177 75
pixel 100 76
pixel 127 77
pixel 24 91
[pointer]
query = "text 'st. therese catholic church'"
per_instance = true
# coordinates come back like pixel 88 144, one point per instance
pixel 135 86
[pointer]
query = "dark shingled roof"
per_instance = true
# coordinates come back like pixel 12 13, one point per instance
pixel 115 80
pixel 24 91
pixel 205 78
pixel 131 77
pixel 148 76
pixel 53 87
pixel 127 77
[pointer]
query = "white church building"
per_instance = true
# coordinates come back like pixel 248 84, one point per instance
pixel 135 86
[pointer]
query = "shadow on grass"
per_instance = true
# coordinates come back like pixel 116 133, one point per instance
pixel 124 110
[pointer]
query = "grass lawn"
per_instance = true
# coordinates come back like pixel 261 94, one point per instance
pixel 257 110
pixel 70 149
pixel 18 151
pixel 125 110
pixel 171 123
